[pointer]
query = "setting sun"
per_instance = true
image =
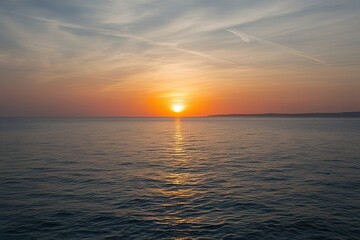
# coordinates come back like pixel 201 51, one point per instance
pixel 178 108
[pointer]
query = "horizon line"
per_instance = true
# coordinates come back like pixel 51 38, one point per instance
pixel 199 116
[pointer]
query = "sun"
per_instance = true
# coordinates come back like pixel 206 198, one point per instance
pixel 178 108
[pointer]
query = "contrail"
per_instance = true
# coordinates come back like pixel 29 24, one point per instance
pixel 112 33
pixel 173 46
pixel 241 35
pixel 247 38
pixel 203 55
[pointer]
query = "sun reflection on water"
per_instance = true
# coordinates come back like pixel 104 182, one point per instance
pixel 179 139
pixel 181 182
pixel 179 163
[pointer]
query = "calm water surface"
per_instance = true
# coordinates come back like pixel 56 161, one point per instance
pixel 204 178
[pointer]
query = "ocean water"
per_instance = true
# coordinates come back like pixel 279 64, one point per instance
pixel 190 178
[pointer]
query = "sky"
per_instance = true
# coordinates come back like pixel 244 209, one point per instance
pixel 140 57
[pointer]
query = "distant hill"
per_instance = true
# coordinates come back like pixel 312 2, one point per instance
pixel 304 115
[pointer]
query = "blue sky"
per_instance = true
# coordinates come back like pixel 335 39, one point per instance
pixel 177 50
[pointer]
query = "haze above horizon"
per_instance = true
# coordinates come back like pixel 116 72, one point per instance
pixel 142 58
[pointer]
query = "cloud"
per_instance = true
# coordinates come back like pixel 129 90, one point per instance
pixel 113 33
pixel 102 38
pixel 173 46
pixel 247 38
pixel 241 35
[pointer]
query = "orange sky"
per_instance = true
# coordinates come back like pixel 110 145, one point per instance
pixel 129 58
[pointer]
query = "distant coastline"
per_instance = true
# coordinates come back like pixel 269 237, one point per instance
pixel 266 115
pixel 303 115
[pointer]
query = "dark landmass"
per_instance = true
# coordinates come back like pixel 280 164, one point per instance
pixel 304 115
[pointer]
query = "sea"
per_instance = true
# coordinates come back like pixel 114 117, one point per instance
pixel 180 178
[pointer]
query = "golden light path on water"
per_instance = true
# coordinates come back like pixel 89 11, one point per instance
pixel 186 178
pixel 182 181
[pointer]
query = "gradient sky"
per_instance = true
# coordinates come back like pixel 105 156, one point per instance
pixel 138 57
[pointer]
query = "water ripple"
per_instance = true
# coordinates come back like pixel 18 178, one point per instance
pixel 180 179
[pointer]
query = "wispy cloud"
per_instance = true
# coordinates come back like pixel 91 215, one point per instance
pixel 247 38
pixel 173 46
pixel 203 55
pixel 241 35
pixel 112 33
pixel 150 45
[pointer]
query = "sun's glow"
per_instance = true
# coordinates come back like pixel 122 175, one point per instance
pixel 178 108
